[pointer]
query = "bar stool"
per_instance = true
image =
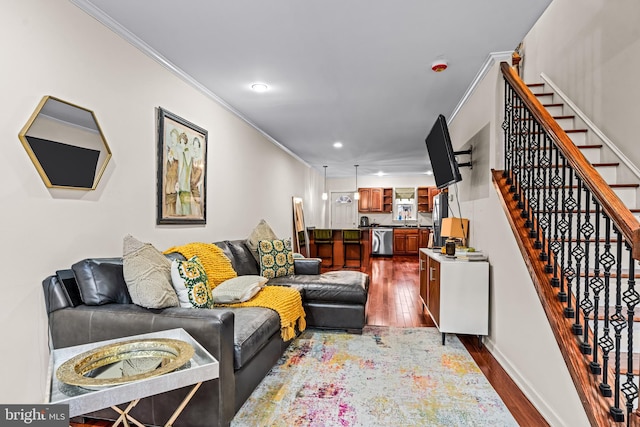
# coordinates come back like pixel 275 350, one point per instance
pixel 351 238
pixel 323 237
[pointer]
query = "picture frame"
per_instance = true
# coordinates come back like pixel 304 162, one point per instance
pixel 182 170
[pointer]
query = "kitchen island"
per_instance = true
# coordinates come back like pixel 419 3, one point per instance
pixel 339 249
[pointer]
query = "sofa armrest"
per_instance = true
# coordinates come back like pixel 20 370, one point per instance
pixel 212 328
pixel 307 265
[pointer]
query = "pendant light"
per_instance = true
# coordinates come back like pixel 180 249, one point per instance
pixel 325 196
pixel 356 195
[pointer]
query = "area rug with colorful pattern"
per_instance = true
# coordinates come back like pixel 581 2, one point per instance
pixel 385 377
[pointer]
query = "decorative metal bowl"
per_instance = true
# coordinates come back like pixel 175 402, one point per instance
pixel 124 362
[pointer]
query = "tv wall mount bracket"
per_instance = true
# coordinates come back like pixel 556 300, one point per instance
pixel 468 164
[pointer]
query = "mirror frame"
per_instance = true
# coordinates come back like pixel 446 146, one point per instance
pixel 103 150
pixel 299 226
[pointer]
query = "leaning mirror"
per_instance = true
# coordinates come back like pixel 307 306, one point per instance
pixel 66 145
pixel 301 242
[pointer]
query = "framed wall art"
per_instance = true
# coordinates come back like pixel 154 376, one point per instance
pixel 182 171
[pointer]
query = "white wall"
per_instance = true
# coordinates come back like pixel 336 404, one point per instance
pixel 50 47
pixel 519 335
pixel 591 50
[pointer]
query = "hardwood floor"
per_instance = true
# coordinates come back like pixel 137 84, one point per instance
pixel 394 301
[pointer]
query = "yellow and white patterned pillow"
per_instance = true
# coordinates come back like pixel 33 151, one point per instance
pixel 276 258
pixel 191 284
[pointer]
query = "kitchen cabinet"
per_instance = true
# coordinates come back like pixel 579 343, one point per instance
pixel 371 200
pixel 425 198
pixel 405 241
pixel 387 200
pixel 423 237
pixel 456 293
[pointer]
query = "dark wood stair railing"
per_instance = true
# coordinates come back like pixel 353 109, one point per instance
pixel 559 206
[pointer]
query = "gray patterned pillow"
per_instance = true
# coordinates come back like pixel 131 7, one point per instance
pixel 261 232
pixel 147 273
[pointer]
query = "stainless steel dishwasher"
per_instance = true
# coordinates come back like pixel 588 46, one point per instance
pixel 382 241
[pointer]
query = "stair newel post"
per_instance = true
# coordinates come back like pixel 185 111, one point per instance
pixel 631 298
pixel 605 342
pixel 597 285
pixel 578 254
pixel 554 245
pixel 563 226
pixel 570 273
pixel 618 322
pixel 586 304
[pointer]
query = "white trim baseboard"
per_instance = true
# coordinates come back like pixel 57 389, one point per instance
pixel 114 26
pixel 492 58
pixel 529 391
pixel 592 127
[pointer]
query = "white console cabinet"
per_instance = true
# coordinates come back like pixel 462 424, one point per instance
pixel 456 293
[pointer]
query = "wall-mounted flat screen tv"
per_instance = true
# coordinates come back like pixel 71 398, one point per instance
pixel 441 154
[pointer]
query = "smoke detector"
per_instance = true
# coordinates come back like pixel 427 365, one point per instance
pixel 439 65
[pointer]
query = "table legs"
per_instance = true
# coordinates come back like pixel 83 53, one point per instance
pixel 124 417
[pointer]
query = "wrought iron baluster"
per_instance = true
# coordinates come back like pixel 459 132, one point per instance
pixel 570 272
pixel 606 342
pixel 538 186
pixel 554 244
pixel 586 304
pixel 631 298
pixel 506 126
pixel 578 255
pixel 544 221
pixel 597 285
pixel 619 323
pixel 563 227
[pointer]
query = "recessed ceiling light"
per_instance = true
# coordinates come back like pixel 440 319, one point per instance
pixel 381 173
pixel 259 87
pixel 429 172
pixel 337 144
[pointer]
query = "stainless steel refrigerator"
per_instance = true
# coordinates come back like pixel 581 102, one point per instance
pixel 440 210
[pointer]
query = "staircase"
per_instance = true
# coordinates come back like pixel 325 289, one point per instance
pixel 574 212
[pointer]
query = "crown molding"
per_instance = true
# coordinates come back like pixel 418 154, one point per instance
pixel 492 58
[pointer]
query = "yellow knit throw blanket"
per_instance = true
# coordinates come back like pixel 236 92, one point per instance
pixel 216 264
pixel 286 301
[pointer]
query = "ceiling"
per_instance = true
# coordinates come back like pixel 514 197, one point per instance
pixel 355 71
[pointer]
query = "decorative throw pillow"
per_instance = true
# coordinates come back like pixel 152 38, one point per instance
pixel 238 289
pixel 276 258
pixel 261 232
pixel 147 273
pixel 191 284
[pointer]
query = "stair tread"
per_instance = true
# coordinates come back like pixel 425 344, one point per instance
pixel 535 84
pixel 541 131
pixel 612 310
pixel 544 105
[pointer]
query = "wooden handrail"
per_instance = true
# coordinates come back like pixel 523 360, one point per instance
pixel 609 200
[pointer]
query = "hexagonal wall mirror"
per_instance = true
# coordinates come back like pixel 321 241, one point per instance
pixel 66 145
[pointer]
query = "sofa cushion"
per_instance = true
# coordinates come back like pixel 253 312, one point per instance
pixel 238 289
pixel 147 273
pixel 241 257
pixel 253 327
pixel 276 258
pixel 335 286
pixel 262 231
pixel 191 284
pixel 101 281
